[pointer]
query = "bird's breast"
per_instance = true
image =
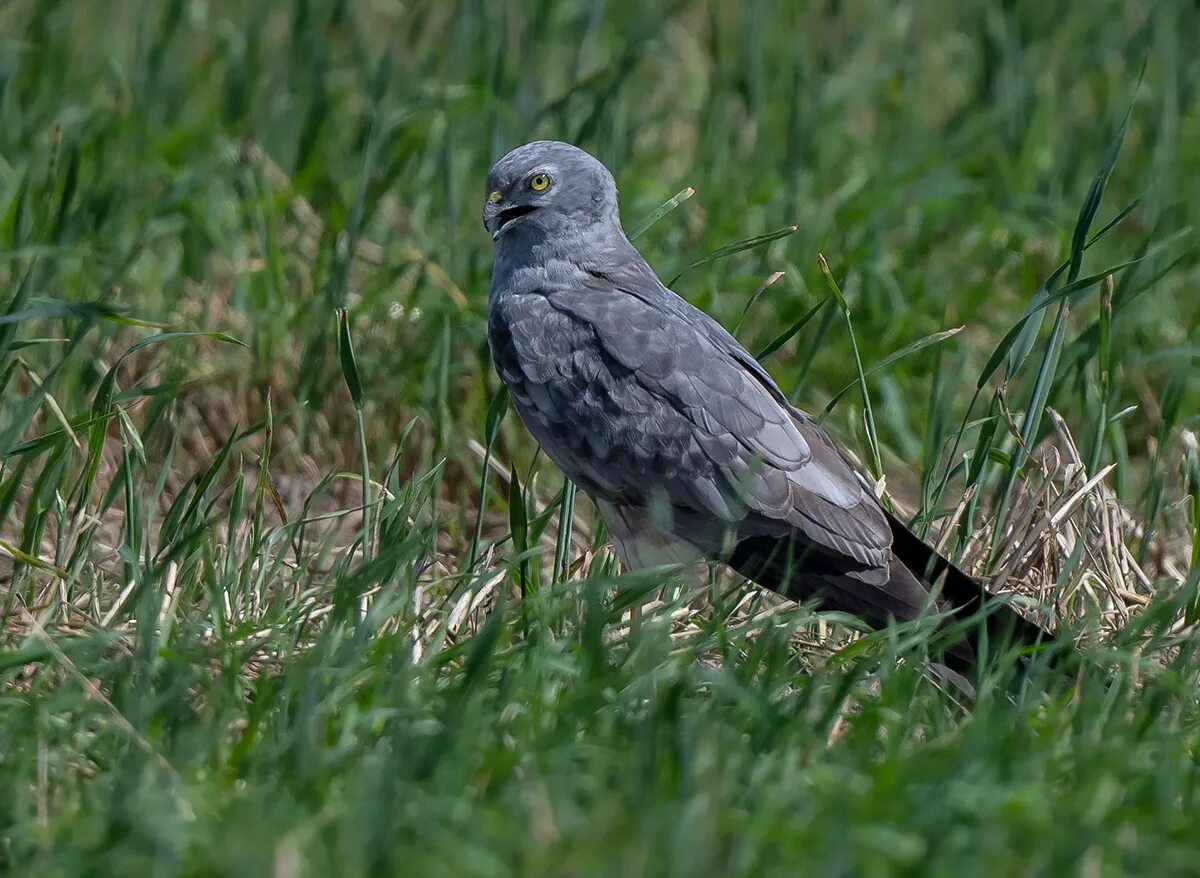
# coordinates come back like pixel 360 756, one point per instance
pixel 589 413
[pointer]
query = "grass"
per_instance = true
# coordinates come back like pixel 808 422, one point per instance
pixel 285 591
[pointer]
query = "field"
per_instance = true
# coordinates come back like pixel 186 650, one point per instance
pixel 285 589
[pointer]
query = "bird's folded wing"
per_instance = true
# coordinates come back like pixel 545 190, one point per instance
pixel 636 399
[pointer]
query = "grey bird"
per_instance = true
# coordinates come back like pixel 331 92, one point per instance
pixel 684 442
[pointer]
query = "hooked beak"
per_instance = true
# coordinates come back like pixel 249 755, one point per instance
pixel 497 217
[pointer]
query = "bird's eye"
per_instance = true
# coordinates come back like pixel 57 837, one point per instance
pixel 494 196
pixel 539 182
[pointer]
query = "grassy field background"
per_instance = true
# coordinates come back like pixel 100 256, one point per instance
pixel 241 266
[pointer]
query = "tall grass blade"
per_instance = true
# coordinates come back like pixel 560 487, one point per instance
pixel 906 351
pixel 354 386
pixel 868 413
pixel 788 334
pixel 497 408
pixel 659 212
pixel 737 247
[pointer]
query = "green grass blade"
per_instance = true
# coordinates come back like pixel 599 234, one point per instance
pixel 659 212
pixel 497 408
pixel 737 247
pixel 868 413
pixel 788 334
pixel 562 544
pixel 518 526
pixel 906 351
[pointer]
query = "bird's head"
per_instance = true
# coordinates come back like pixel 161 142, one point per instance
pixel 548 188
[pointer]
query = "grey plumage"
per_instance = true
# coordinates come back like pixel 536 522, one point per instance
pixel 661 416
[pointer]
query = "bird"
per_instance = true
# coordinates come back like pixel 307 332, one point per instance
pixel 684 442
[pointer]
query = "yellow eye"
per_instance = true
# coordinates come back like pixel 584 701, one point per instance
pixel 539 182
pixel 494 196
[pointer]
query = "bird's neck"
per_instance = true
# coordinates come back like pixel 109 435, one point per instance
pixel 531 258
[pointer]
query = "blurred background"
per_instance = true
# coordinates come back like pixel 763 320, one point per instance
pixel 250 167
pixel 191 190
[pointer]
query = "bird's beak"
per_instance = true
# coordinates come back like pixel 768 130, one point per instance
pixel 491 219
pixel 498 215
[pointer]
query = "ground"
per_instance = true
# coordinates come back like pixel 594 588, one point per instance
pixel 242 267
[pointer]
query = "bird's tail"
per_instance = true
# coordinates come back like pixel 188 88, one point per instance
pixel 965 596
pixel 916 568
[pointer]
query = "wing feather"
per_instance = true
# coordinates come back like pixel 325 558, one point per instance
pixel 637 402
